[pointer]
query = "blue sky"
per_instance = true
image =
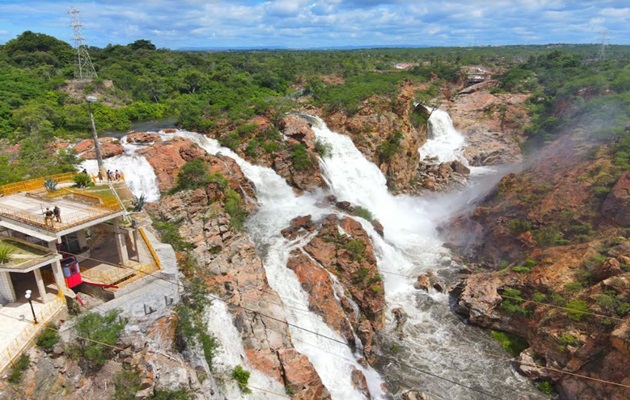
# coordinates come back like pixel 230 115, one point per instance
pixel 322 23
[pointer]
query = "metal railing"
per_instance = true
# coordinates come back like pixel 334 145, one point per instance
pixel 26 338
pixel 156 259
pixel 104 205
pixel 33 184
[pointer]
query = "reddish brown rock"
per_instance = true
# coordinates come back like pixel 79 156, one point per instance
pixel 299 226
pixel 360 383
pixel 620 337
pixel 109 147
pixel 616 207
pixel 167 158
pixel 610 267
pixel 300 377
pixel 422 283
pixel 143 138
pixel 323 301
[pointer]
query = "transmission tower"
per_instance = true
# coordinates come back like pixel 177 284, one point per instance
pixel 83 69
pixel 603 42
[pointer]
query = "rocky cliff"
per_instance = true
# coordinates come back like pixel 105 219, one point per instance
pixel 554 250
pixel 226 259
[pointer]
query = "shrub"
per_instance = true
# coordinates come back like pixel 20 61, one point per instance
pixel 48 338
pixel 568 340
pixel 96 334
pixel 191 326
pixel 50 184
pixel 82 180
pixel 241 376
pixel 235 208
pixel 194 174
pixel 356 248
pixel 546 387
pixel 5 253
pixel 17 369
pixel 363 213
pixel 511 303
pixel 127 383
pixel 539 297
pixel 521 269
pixel 512 344
pixel 573 287
pixel 139 202
pixel 577 309
pixel 302 159
pixel 549 236
pixel 389 147
pixel 169 233
pixel 323 149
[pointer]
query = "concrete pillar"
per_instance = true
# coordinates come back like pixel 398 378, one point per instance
pixel 7 292
pixel 41 288
pixel 82 239
pixel 57 272
pixel 121 243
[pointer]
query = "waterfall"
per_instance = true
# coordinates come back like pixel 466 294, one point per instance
pixel 445 143
pixel 436 344
pixel 139 174
pixel 278 204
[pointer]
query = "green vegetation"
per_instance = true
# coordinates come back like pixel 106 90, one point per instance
pixel 48 338
pixel 17 369
pixel 235 207
pixel 390 147
pixel 566 339
pixel 194 174
pixel 323 149
pixel 363 213
pixel 356 248
pixel 127 383
pixel 82 180
pixel 512 344
pixel 302 159
pixel 96 334
pixel 5 253
pixel 241 376
pixel 577 309
pixel 50 184
pixel 169 233
pixel 512 301
pixel 191 327
pixel 546 387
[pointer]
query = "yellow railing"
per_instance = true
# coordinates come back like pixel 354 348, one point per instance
pixel 27 336
pixel 156 259
pixel 33 184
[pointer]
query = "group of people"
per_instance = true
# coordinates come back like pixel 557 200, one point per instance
pixel 115 175
pixel 49 214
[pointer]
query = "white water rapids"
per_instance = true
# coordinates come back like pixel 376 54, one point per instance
pixel 439 354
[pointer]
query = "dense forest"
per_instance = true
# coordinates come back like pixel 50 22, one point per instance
pixel 218 92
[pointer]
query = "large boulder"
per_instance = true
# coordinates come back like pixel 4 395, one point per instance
pixel 616 207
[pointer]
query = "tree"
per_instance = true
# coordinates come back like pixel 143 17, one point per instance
pixel 96 334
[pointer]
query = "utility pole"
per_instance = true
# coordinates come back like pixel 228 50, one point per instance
pixel 83 69
pixel 603 42
pixel 97 149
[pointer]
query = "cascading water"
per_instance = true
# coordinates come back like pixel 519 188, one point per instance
pixel 436 342
pixel 445 143
pixel 437 349
pixel 139 174
pixel 332 359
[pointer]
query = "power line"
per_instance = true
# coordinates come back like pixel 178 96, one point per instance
pixel 346 344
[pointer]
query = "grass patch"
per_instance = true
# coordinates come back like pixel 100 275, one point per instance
pixel 16 373
pixel 512 344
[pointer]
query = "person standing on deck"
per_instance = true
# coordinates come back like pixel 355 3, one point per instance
pixel 57 213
